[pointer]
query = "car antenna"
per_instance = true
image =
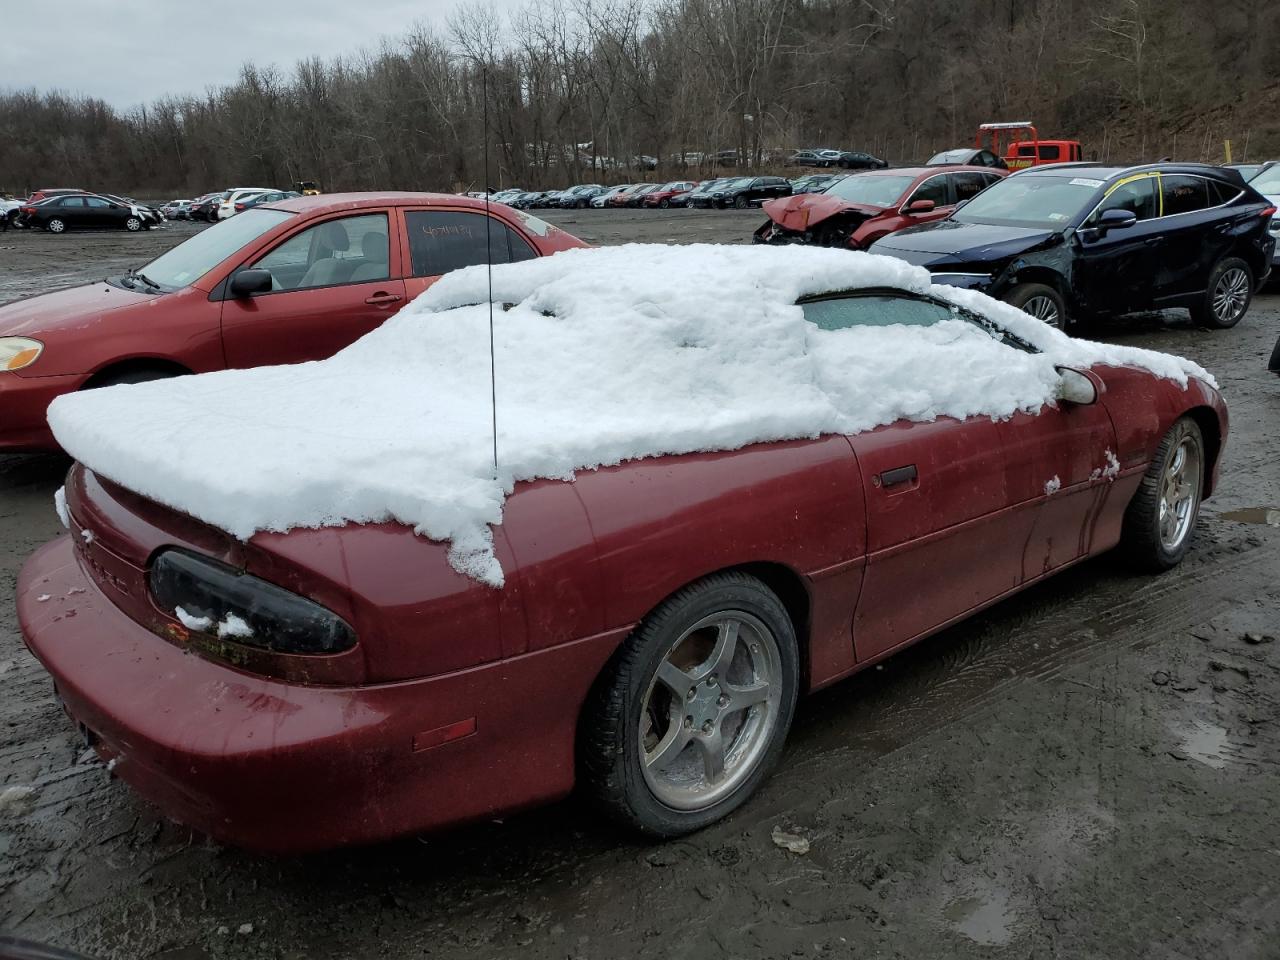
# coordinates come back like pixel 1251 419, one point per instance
pixel 488 249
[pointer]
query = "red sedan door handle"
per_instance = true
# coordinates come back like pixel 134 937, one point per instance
pixel 898 475
pixel 381 299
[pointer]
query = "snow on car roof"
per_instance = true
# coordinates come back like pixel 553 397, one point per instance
pixel 602 356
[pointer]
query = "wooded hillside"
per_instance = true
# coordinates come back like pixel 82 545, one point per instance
pixel 1133 79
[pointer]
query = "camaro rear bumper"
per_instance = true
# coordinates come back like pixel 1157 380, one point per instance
pixel 24 402
pixel 274 766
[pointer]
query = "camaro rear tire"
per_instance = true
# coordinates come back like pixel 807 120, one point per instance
pixel 693 709
pixel 1041 301
pixel 1228 295
pixel 1161 518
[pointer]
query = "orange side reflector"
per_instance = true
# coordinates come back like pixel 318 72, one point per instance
pixel 22 358
pixel 443 735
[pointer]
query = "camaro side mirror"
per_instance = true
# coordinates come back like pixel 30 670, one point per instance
pixel 248 282
pixel 920 206
pixel 1075 387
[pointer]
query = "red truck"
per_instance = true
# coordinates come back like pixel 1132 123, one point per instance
pixel 1019 145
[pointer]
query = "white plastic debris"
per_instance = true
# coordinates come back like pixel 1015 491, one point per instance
pixel 790 841
pixel 605 357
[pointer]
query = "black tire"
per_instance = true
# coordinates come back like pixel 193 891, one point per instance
pixel 133 224
pixel 1274 364
pixel 610 755
pixel 1041 301
pixel 1232 280
pixel 582 204
pixel 137 375
pixel 56 225
pixel 1141 536
pixel 664 203
pixel 741 202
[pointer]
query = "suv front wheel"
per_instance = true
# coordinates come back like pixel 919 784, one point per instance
pixel 1227 297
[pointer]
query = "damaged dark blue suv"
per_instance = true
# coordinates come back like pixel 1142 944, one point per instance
pixel 1069 242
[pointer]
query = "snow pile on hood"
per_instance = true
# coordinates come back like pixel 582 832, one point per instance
pixel 607 355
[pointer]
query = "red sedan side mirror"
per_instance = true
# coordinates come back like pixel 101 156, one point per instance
pixel 921 206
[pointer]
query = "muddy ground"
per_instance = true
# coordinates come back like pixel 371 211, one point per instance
pixel 1091 769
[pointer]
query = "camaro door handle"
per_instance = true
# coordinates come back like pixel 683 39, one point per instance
pixel 378 299
pixel 898 475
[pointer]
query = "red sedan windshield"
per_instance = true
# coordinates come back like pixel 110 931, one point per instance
pixel 189 261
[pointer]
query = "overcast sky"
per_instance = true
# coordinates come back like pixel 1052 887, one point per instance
pixel 128 52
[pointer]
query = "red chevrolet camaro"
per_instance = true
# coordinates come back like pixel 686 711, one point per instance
pixel 659 617
pixel 857 210
pixel 284 282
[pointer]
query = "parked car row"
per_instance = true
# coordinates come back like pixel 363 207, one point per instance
pixel 71 208
pixel 222 204
pixel 825 157
pixel 1066 242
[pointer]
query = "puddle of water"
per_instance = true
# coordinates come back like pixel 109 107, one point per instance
pixel 1205 743
pixel 986 920
pixel 1267 516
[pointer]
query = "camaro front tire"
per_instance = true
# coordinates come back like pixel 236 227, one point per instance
pixel 1161 518
pixel 693 710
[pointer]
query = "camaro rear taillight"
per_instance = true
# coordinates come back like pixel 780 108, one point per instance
pixel 212 598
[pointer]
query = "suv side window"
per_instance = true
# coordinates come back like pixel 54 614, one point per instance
pixel 935 189
pixel 1138 196
pixel 1183 194
pixel 1220 193
pixel 445 240
pixel 335 252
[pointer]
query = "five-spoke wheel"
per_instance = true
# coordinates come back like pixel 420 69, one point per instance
pixel 694 708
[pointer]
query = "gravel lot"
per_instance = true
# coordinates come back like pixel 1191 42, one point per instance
pixel 1091 769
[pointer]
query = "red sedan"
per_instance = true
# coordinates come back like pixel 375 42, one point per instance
pixel 662 196
pixel 658 618
pixel 857 210
pixel 281 283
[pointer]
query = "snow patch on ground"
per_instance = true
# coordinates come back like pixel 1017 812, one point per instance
pixel 606 355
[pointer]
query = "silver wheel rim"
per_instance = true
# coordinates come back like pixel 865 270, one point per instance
pixel 1179 493
pixel 1044 308
pixel 1230 295
pixel 710 711
pixel 133 223
pixel 56 226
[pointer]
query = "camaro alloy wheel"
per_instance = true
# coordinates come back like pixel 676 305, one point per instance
pixel 1161 517
pixel 694 709
pixel 710 709
pixel 1180 493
